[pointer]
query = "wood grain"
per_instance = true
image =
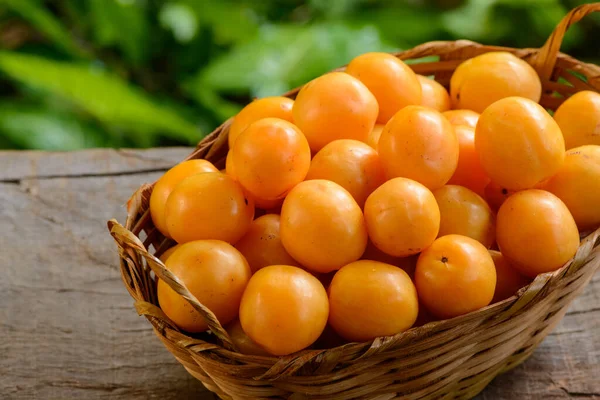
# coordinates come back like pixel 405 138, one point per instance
pixel 69 327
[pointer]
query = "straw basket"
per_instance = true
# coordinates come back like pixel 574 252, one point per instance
pixel 452 359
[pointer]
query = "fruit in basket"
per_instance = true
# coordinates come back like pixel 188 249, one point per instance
pixel 469 172
pixel 267 107
pixel 374 254
pixel 229 168
pixel 244 344
pixel 351 164
pixel 487 78
pixel 508 279
pixel 462 117
pixel 577 184
pixel 495 195
pixel 322 226
pixel 420 144
pixel 536 232
pixel 368 299
pixel 391 81
pixel 335 106
pixel 454 276
pixel 215 273
pixel 167 253
pixel 519 144
pixel 165 185
pixel 284 309
pixel 271 156
pixel 262 246
pixel 208 206
pixel 402 217
pixel 395 212
pixel 464 212
pixel 579 119
pixel 258 202
pixel 374 135
pixel 434 95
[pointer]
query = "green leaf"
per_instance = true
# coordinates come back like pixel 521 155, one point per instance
pixel 222 108
pixel 546 18
pixel 122 24
pixel 47 24
pixel 403 24
pixel 334 8
pixel 471 20
pixel 230 21
pixel 281 57
pixel 34 128
pixel 180 19
pixel 103 95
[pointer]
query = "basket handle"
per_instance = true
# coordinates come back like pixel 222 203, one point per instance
pixel 128 240
pixel 546 57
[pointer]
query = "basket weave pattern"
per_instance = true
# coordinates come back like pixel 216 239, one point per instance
pixel 453 359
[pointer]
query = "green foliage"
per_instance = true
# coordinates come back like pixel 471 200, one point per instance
pixel 138 73
pixel 123 25
pixel 39 128
pixel 275 61
pixel 46 23
pixel 99 93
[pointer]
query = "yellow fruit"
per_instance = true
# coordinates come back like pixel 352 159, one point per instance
pixel 487 78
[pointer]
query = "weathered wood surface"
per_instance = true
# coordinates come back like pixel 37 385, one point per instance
pixel 68 326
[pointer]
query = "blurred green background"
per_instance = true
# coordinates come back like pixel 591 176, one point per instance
pixel 142 73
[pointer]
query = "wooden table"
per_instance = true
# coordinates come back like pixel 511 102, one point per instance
pixel 68 326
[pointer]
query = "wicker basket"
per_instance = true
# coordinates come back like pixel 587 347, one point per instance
pixel 453 359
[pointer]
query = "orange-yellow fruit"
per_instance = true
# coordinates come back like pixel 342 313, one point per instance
pixel 373 139
pixel 508 279
pixel 268 107
pixel 261 245
pixel 243 343
pixel 374 136
pixel 165 185
pixel 463 212
pixel 469 172
pixel 408 263
pixel 374 254
pixel 208 206
pixel 519 144
pixel 271 156
pixel 322 227
pixel 391 81
pixel 434 95
pixel 229 168
pixel 164 256
pixel 487 78
pixel 536 232
pixel 263 204
pixel 215 273
pixel 368 299
pixel 455 276
pixel 462 117
pixel 335 106
pixel 351 164
pixel 402 217
pixel 579 119
pixel 496 195
pixel 420 144
pixel 577 184
pixel 284 309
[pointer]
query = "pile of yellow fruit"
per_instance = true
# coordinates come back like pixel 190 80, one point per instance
pixel 377 201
